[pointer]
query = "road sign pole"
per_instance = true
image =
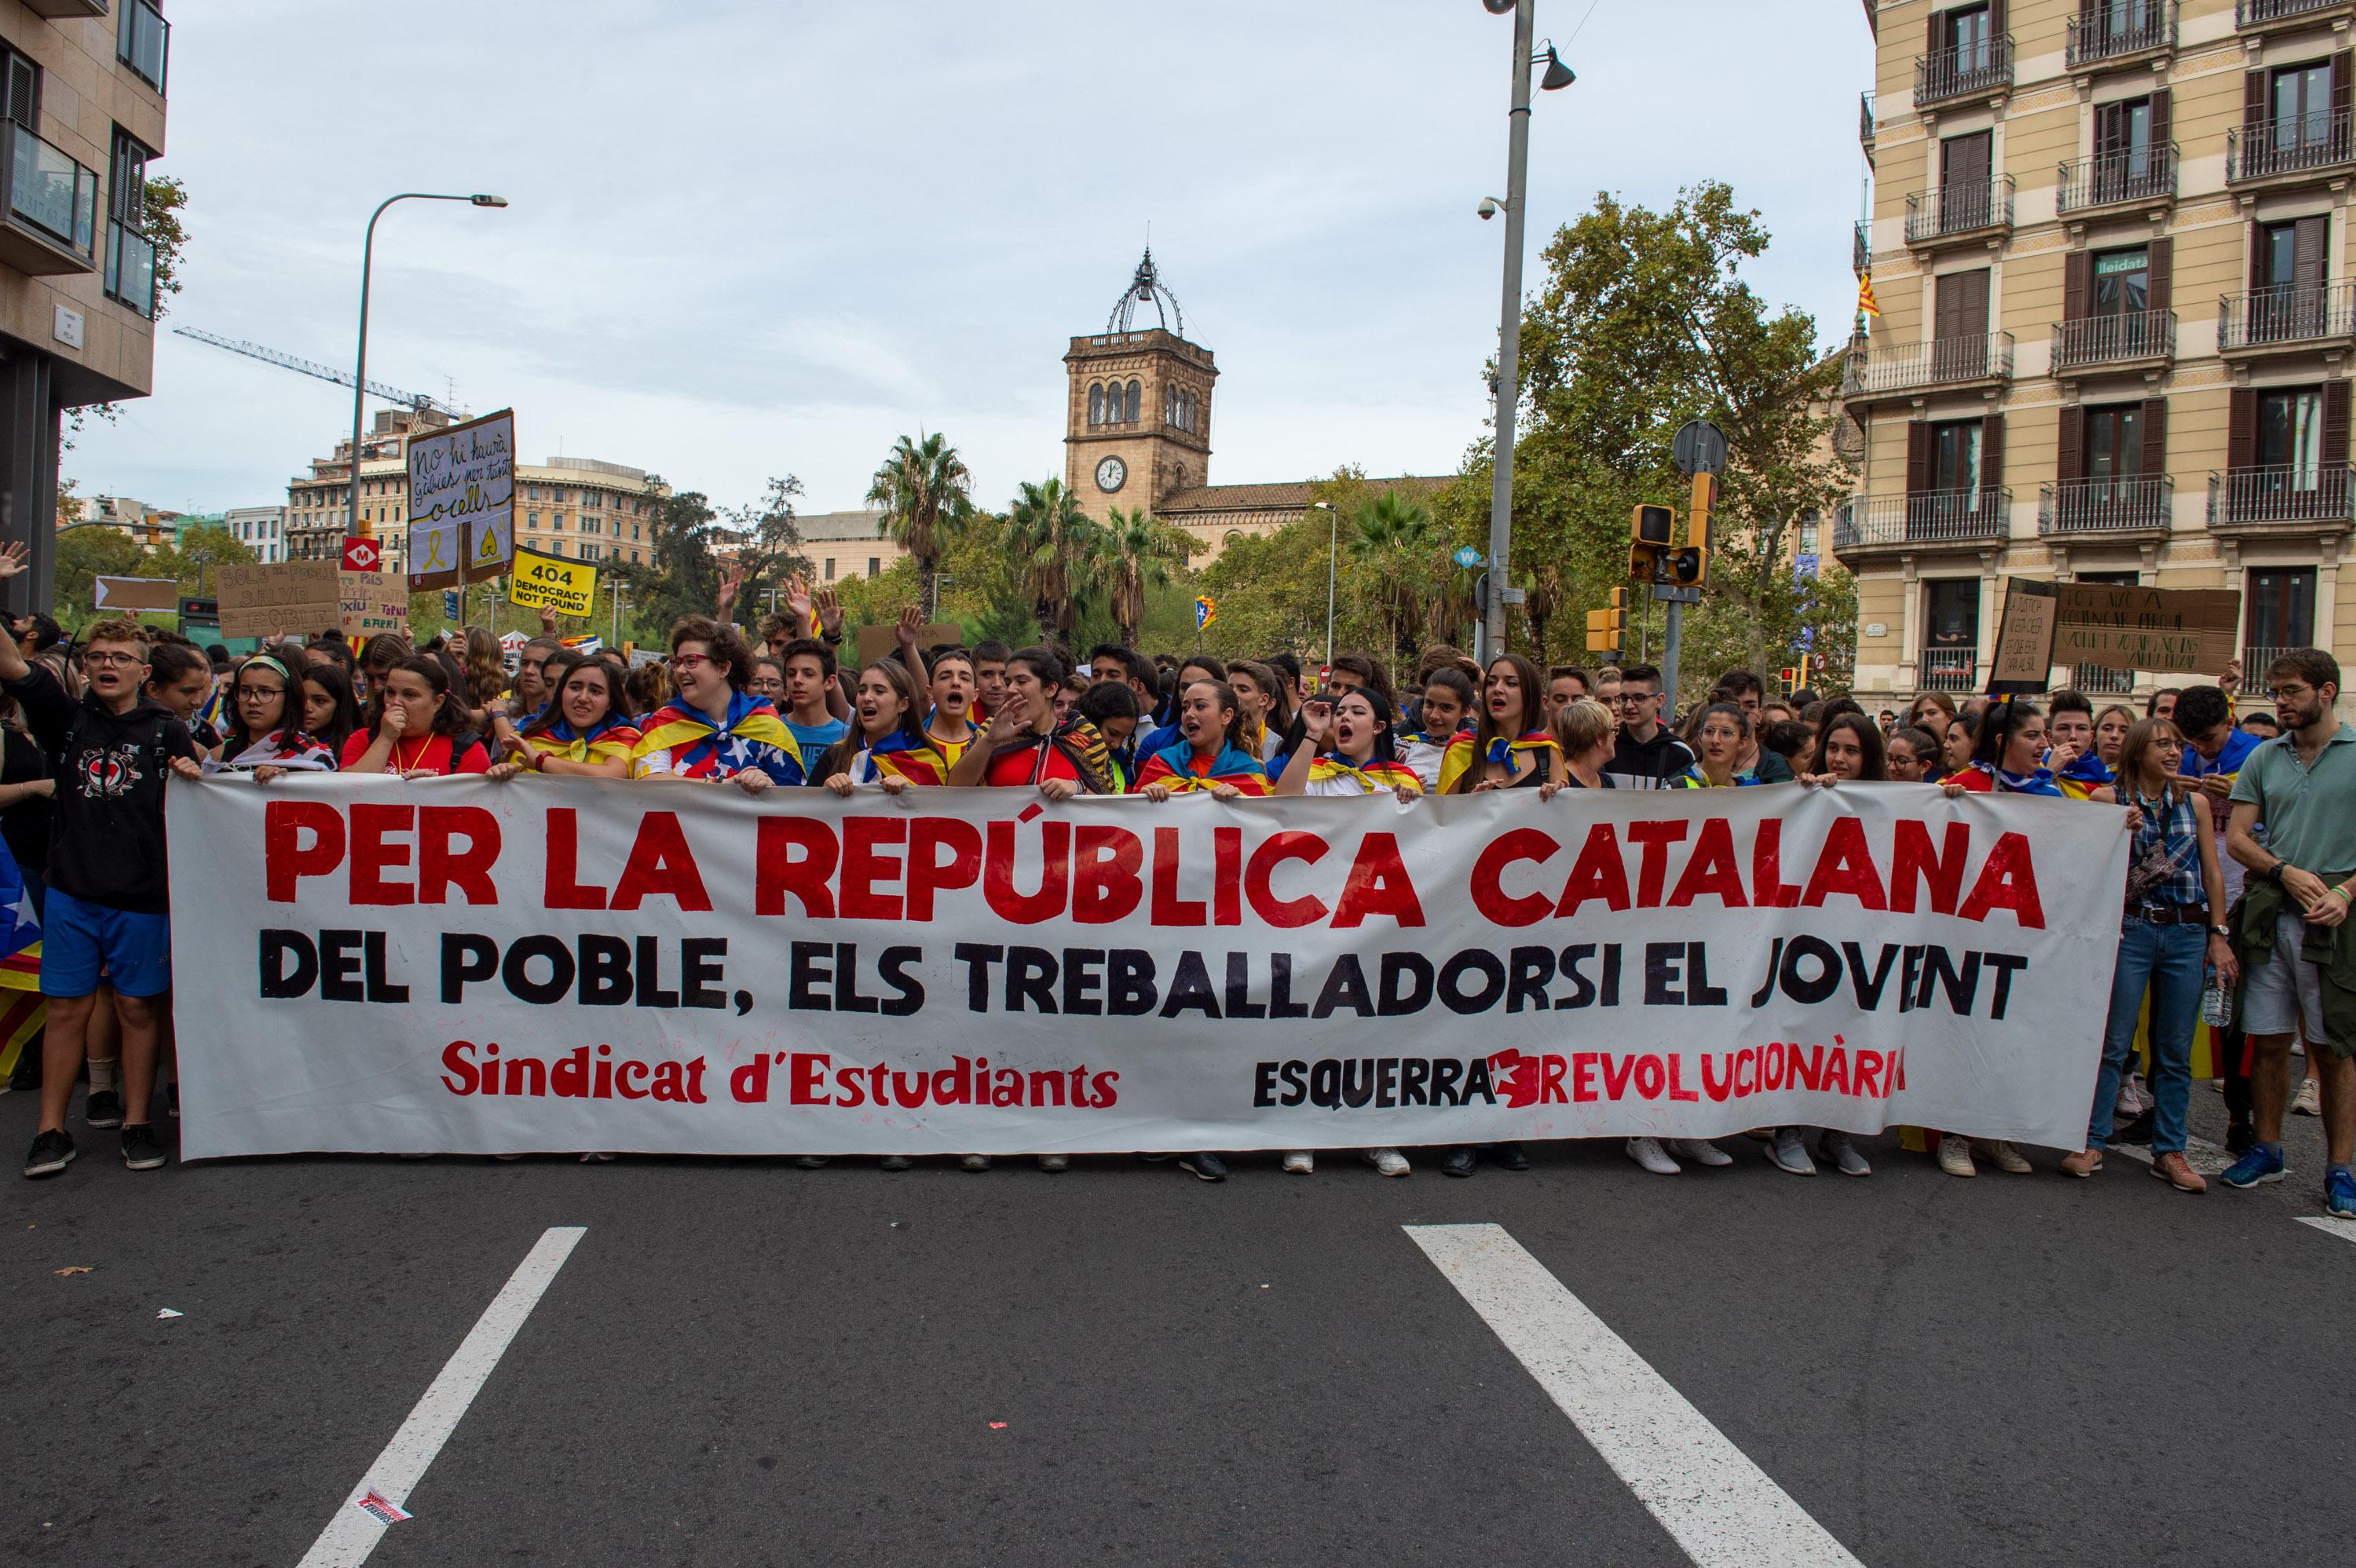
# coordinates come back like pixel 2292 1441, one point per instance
pixel 1669 663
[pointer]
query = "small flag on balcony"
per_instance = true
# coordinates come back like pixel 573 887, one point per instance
pixel 1864 301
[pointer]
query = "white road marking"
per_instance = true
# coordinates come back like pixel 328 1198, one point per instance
pixel 351 1534
pixel 2339 1228
pixel 1721 1508
pixel 2205 1157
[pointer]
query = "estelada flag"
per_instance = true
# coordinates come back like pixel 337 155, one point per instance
pixel 1864 301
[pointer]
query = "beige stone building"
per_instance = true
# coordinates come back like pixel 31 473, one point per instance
pixel 844 545
pixel 2110 242
pixel 576 506
pixel 81 83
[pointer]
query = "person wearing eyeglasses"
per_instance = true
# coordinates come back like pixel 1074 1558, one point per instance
pixel 1648 749
pixel 715 730
pixel 2297 944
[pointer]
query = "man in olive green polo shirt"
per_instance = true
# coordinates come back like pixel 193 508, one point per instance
pixel 2302 785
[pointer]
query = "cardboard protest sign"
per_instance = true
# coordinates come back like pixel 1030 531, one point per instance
pixel 283 596
pixel 462 496
pixel 2023 662
pixel 129 596
pixel 372 601
pixel 2177 631
pixel 568 586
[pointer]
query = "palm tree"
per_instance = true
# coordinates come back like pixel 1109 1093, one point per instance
pixel 926 493
pixel 1051 541
pixel 1134 553
pixel 1391 536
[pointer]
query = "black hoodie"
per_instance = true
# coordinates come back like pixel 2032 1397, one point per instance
pixel 109 848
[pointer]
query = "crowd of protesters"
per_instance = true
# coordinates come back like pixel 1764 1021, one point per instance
pixel 2243 863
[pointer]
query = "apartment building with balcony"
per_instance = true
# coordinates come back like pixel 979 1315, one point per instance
pixel 81 114
pixel 2110 240
pixel 576 506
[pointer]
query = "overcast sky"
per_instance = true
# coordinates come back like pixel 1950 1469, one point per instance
pixel 757 238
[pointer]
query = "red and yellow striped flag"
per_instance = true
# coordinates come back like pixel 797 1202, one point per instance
pixel 1864 301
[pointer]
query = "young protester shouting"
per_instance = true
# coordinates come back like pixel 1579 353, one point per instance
pixel 714 730
pixel 1348 750
pixel 416 727
pixel 1196 667
pixel 1023 746
pixel 889 747
pixel 948 727
pixel 1509 748
pixel 107 907
pixel 1209 752
pixel 581 733
pixel 1721 732
pixel 2171 930
pixel 265 724
pixel 1447 706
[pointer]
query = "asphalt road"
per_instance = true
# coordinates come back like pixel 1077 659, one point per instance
pixel 744 1362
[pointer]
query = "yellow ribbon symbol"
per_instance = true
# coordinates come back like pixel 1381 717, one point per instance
pixel 433 538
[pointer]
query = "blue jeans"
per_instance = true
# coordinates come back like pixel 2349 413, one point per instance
pixel 2170 961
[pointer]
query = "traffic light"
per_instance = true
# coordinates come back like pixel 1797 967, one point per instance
pixel 1607 627
pixel 1651 530
pixel 1789 678
pixel 1691 564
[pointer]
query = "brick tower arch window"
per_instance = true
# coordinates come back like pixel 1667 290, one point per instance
pixel 1096 403
pixel 1136 402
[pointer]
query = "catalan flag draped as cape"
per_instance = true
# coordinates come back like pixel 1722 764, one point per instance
pixel 2082 777
pixel 1460 756
pixel 1177 767
pixel 683 741
pixel 897 757
pixel 23 1009
pixel 1373 776
pixel 610 740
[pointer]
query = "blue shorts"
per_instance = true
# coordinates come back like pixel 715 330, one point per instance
pixel 81 940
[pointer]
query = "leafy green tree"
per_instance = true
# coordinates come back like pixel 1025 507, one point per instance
pixel 190 560
pixel 763 548
pixel 683 578
pixel 83 555
pixel 927 496
pixel 1397 542
pixel 1054 540
pixel 1135 553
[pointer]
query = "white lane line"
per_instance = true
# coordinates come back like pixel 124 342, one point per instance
pixel 1718 1506
pixel 351 1534
pixel 2339 1228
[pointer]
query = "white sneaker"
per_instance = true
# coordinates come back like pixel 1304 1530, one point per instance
pixel 975 1161
pixel 1390 1161
pixel 1701 1151
pixel 2004 1156
pixel 1789 1152
pixel 1300 1162
pixel 1837 1148
pixel 1055 1163
pixel 1956 1155
pixel 1648 1152
pixel 2308 1101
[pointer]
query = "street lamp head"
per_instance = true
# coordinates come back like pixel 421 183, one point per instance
pixel 1321 505
pixel 502 201
pixel 1499 7
pixel 1557 74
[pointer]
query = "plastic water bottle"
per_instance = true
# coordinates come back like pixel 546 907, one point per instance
pixel 2216 1002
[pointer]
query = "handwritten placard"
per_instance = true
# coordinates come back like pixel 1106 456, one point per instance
pixel 283 596
pixel 372 601
pixel 2024 639
pixel 462 495
pixel 2174 630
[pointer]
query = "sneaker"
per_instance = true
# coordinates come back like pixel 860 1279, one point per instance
pixel 141 1150
pixel 1505 1156
pixel 2178 1172
pixel 2340 1194
pixel 2085 1163
pixel 599 1157
pixel 1648 1152
pixel 1701 1151
pixel 1206 1166
pixel 2004 1156
pixel 2260 1166
pixel 1843 1154
pixel 52 1152
pixel 1390 1161
pixel 2136 1130
pixel 2307 1102
pixel 1791 1153
pixel 1055 1163
pixel 975 1162
pixel 1300 1162
pixel 898 1162
pixel 1955 1156
pixel 809 1161
pixel 103 1109
pixel 1459 1162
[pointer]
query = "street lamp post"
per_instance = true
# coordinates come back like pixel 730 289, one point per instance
pixel 360 369
pixel 1333 548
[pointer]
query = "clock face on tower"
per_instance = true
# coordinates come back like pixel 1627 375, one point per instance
pixel 1111 474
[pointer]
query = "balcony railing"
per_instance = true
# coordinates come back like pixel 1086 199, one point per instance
pixel 131 268
pixel 1961 208
pixel 2260 13
pixel 2108 29
pixel 2141 173
pixel 2288 144
pixel 2094 680
pixel 2113 339
pixel 1865 119
pixel 1948 670
pixel 1927 517
pixel 1860 253
pixel 2282 493
pixel 2259 657
pixel 2110 504
pixel 53 199
pixel 2285 312
pixel 143 40
pixel 1944 362
pixel 1964 70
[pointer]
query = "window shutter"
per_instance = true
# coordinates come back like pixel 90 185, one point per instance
pixel 1991 452
pixel 2162 112
pixel 1936 36
pixel 2154 458
pixel 2307 250
pixel 2160 274
pixel 2342 76
pixel 1996 22
pixel 2242 428
pixel 1918 457
pixel 2077 284
pixel 2335 428
pixel 2070 444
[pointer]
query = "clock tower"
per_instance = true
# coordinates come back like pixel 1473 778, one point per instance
pixel 1137 421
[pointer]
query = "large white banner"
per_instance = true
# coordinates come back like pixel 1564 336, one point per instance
pixel 460 966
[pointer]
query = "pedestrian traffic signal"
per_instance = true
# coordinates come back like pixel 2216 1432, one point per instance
pixel 1691 564
pixel 1651 530
pixel 1606 627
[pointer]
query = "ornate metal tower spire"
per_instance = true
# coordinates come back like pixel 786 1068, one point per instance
pixel 1147 288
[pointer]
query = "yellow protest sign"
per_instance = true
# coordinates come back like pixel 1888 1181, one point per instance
pixel 570 586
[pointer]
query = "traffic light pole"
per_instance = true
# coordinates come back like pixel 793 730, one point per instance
pixel 1676 616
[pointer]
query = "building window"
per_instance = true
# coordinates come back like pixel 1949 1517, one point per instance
pixel 557 522
pixel 130 254
pixel 1968 34
pixel 1951 633
pixel 1095 405
pixel 2281 616
pixel 2114 443
pixel 2290 438
pixel 875 562
pixel 532 519
pixel 1136 402
pixel 2298 100
pixel 143 40
pixel 1955 455
pixel 1809 523
pixel 830 569
pixel 22 90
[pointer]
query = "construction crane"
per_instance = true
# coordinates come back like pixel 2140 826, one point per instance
pixel 417 400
